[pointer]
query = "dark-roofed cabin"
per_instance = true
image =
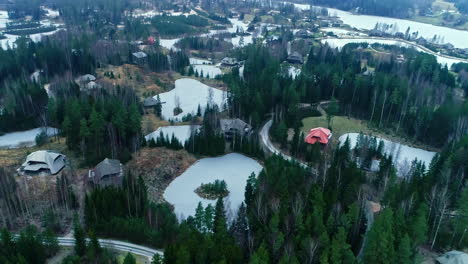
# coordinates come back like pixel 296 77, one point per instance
pixel 140 58
pixel 108 172
pixel 232 127
pixel 296 58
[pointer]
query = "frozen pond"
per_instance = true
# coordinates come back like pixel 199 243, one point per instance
pixel 457 37
pixel 209 71
pixel 182 133
pixel 233 168
pixel 189 94
pixel 339 43
pixel 24 138
pixel 403 155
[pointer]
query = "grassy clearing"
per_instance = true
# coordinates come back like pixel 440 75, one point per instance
pixel 144 82
pixel 342 125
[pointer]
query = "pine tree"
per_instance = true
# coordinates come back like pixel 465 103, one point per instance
pixel 80 240
pixel 404 251
pixel 129 259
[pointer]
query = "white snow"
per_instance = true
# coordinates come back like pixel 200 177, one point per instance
pixel 50 12
pixel 340 43
pixel 233 168
pixel 294 72
pixel 182 133
pixel 191 93
pixel 456 37
pixel 209 71
pixel 169 43
pixel 403 155
pixel 24 138
pixel 197 61
pixel 3 18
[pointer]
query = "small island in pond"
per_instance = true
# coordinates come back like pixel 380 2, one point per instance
pixel 213 191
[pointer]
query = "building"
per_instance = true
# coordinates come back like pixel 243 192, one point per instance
pixel 453 257
pixel 319 134
pixel 43 162
pixel 295 57
pixel 150 102
pixel 139 57
pixel 229 62
pixel 303 34
pixel 108 172
pixel 421 41
pixel 232 127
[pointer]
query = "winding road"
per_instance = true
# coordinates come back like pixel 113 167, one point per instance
pixel 116 245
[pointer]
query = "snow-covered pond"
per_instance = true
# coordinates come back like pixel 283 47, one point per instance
pixel 189 94
pixel 403 155
pixel 208 71
pixel 339 43
pixel 24 138
pixel 457 37
pixel 182 133
pixel 233 168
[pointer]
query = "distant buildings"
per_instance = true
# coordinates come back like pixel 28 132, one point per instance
pixel 303 34
pixel 108 172
pixel 43 162
pixel 229 62
pixel 87 83
pixel 149 102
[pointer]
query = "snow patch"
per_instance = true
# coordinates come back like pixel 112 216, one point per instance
pixel 182 133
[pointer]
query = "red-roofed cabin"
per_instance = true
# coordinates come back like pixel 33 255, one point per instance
pixel 319 134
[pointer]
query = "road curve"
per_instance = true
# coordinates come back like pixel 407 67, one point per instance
pixel 117 245
pixel 265 139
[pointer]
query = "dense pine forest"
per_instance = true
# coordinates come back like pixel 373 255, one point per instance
pixel 320 203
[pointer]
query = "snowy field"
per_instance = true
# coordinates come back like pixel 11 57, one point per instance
pixel 209 71
pixel 197 61
pixel 233 168
pixel 190 93
pixel 342 32
pixel 169 43
pixel 340 43
pixel 403 155
pixel 182 133
pixel 24 138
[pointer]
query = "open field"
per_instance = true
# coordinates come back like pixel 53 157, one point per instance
pixel 342 125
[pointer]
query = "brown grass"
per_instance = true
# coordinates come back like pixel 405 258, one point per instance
pixel 159 167
pixel 144 82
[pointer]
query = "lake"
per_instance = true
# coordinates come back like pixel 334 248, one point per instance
pixel 459 38
pixel 233 168
pixel 402 154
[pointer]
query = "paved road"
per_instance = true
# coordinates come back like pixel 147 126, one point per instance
pixel 265 139
pixel 117 245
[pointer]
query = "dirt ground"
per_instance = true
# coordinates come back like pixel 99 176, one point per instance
pixel 159 167
pixel 145 83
